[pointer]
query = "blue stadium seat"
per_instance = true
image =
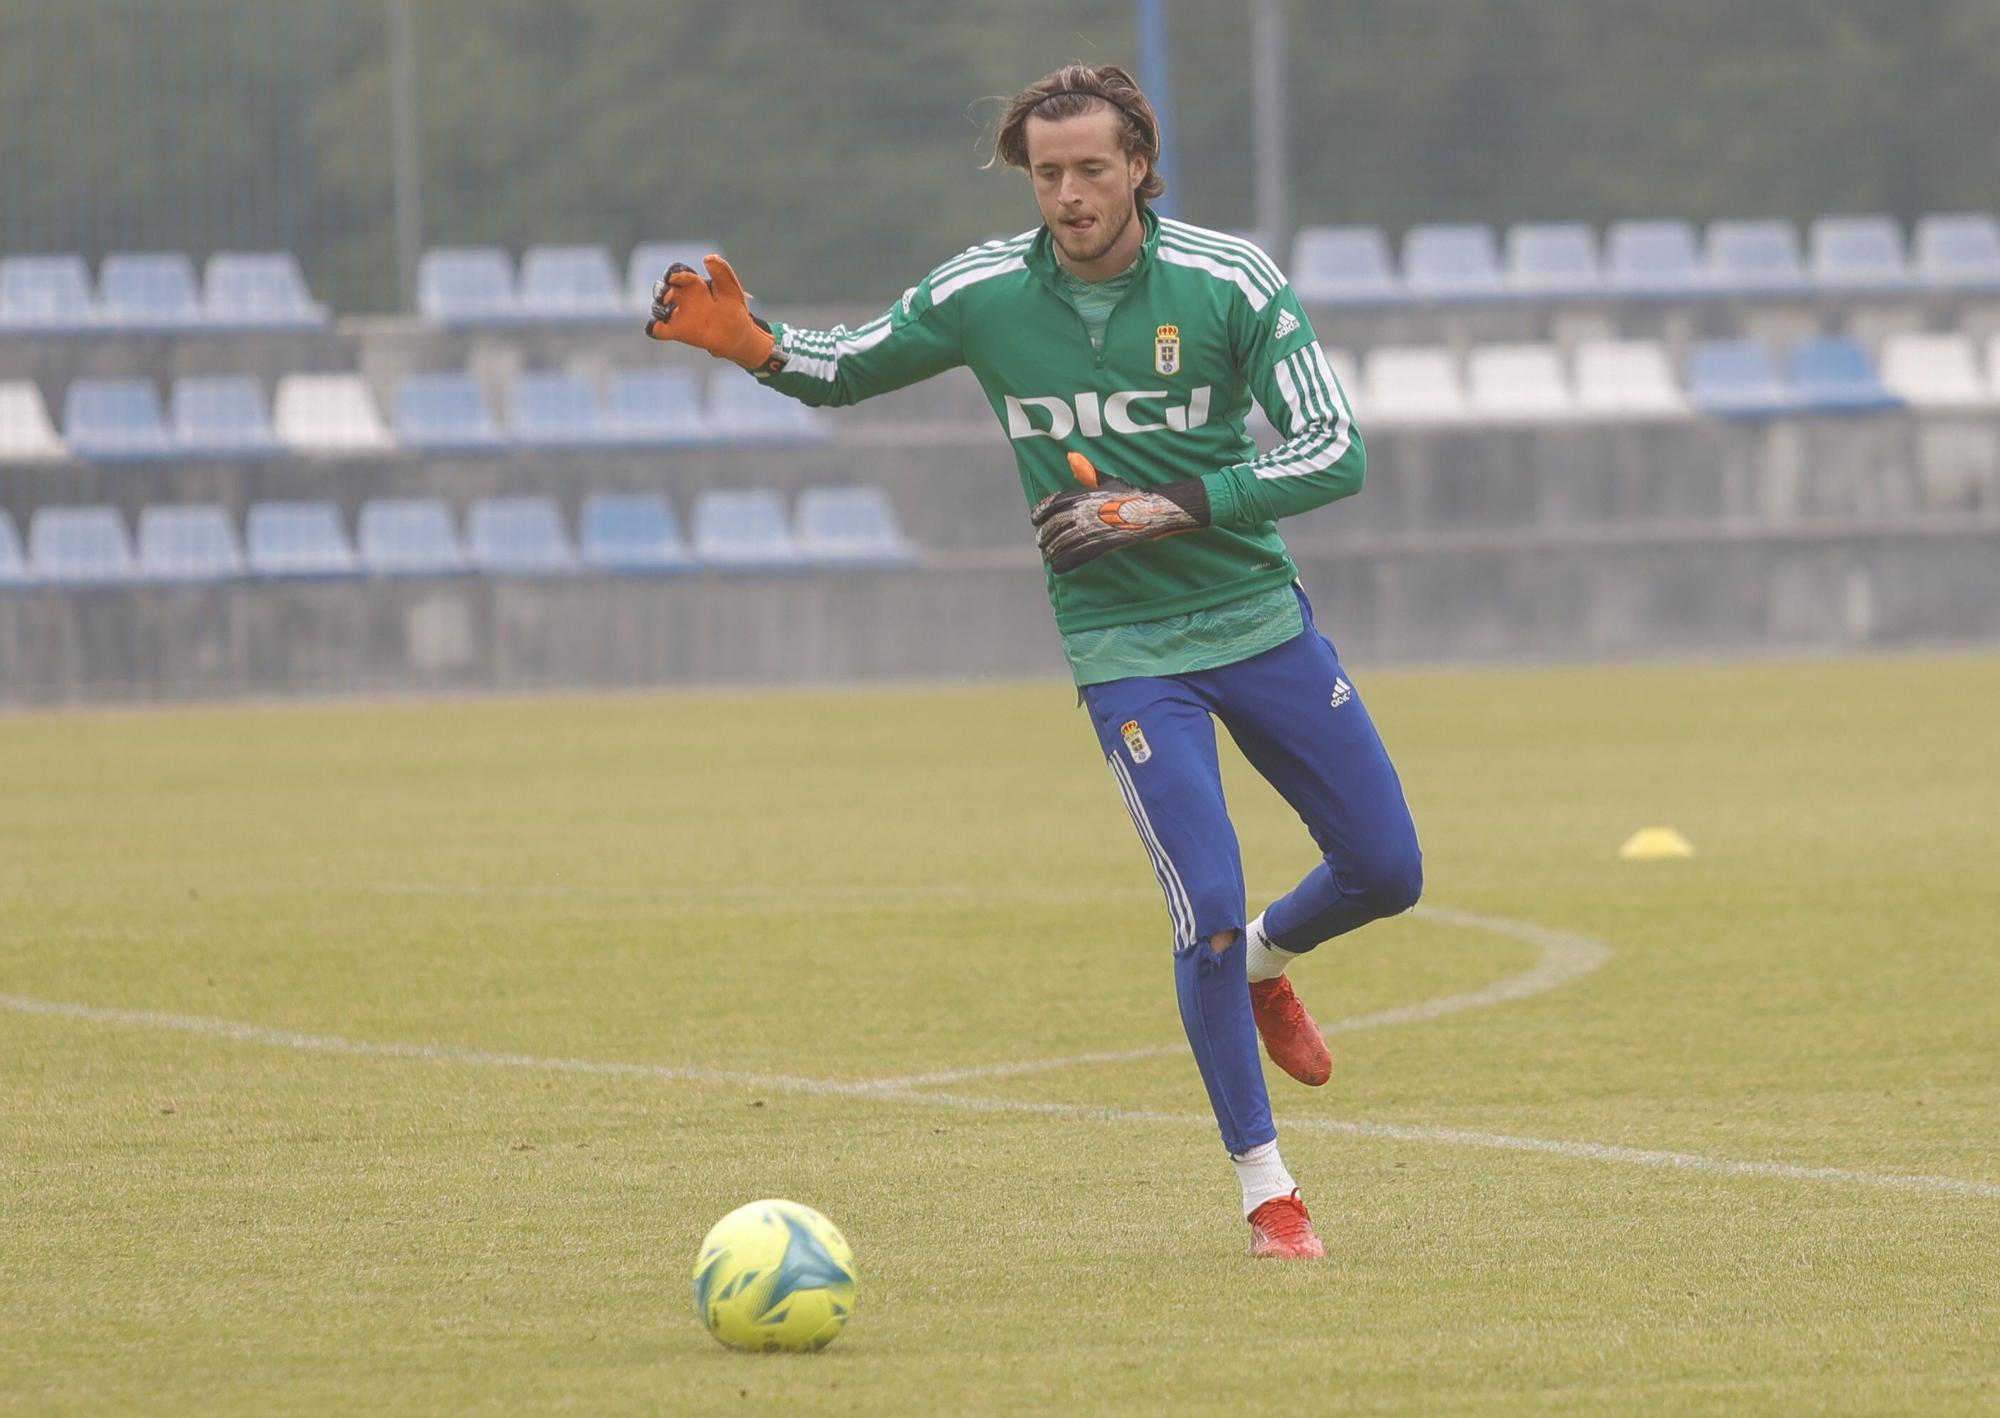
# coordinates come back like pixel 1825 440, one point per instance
pixel 14 569
pixel 1737 379
pixel 570 283
pixel 1451 263
pixel 259 289
pixel 148 291
pixel 655 408
pixel 1959 251
pixel 747 410
pixel 408 537
pixel 743 530
pixel 74 546
pixel 631 532
pixel 467 285
pixel 851 526
pixel 188 544
pixel 1553 259
pixel 222 417
pixel 1859 255
pixel 49 293
pixel 518 536
pixel 444 413
pixel 1836 376
pixel 1344 265
pixel 549 409
pixel 1755 258
pixel 297 539
pixel 649 262
pixel 1653 260
pixel 114 420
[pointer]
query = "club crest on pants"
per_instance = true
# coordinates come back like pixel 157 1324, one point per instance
pixel 1135 741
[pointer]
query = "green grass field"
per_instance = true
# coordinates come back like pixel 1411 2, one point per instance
pixel 204 1212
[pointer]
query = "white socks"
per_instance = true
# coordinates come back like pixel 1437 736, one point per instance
pixel 1263 960
pixel 1262 1172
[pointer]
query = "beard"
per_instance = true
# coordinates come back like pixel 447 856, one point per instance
pixel 1111 230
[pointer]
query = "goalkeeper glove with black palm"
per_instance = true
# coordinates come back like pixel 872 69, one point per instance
pixel 1109 514
pixel 712 315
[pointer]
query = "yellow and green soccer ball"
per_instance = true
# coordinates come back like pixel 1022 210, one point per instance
pixel 774 1275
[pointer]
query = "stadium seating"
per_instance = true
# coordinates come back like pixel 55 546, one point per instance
pixel 1858 256
pixel 46 293
pixel 258 289
pixel 570 283
pixel 148 291
pixel 408 537
pixel 649 262
pixel 1754 258
pixel 1958 251
pixel 851 526
pixel 221 417
pixel 14 569
pixel 467 285
pixel 73 546
pixel 1451 263
pixel 297 539
pixel 1627 379
pixel 328 413
pixel 107 420
pixel 1344 266
pixel 518 536
pixel 743 530
pixel 26 435
pixel 631 532
pixel 1934 371
pixel 551 409
pixel 188 544
pixel 444 413
pixel 655 408
pixel 1653 261
pixel 1835 376
pixel 1518 384
pixel 746 410
pixel 1411 384
pixel 1737 379
pixel 1553 260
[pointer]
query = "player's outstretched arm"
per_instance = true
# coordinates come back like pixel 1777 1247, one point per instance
pixel 1108 514
pixel 914 339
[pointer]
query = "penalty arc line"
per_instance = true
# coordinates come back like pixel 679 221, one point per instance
pixel 1563 958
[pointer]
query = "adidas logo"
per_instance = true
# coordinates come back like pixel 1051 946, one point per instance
pixel 1288 323
pixel 1342 691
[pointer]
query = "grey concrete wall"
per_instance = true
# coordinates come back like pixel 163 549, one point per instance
pixel 1488 596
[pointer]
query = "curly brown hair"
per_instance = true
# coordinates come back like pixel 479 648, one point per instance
pixel 1077 89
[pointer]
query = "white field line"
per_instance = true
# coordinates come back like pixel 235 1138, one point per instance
pixel 1563 958
pixel 205 1027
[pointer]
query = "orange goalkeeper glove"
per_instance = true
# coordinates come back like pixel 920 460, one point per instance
pixel 712 314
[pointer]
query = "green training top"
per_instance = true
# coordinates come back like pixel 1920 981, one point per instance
pixel 1208 324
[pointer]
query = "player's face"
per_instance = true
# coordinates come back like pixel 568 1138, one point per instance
pixel 1084 184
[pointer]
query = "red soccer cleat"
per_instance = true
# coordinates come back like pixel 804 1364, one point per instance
pixel 1280 1229
pixel 1290 1037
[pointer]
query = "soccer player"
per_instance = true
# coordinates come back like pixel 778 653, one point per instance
pixel 1120 351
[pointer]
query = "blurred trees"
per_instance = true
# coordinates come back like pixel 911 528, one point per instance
pixel 834 145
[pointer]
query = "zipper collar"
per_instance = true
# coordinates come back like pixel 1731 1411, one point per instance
pixel 1041 257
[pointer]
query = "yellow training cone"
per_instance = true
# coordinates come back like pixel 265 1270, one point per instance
pixel 1654 844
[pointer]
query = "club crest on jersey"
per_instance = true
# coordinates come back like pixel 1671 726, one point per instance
pixel 1135 741
pixel 1167 349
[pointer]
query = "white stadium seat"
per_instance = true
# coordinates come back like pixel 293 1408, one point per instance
pixel 1935 371
pixel 1628 379
pixel 1519 383
pixel 329 413
pixel 1412 384
pixel 25 431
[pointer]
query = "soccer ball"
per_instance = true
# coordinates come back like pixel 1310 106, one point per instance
pixel 774 1275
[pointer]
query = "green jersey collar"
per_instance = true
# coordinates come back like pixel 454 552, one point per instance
pixel 1041 256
